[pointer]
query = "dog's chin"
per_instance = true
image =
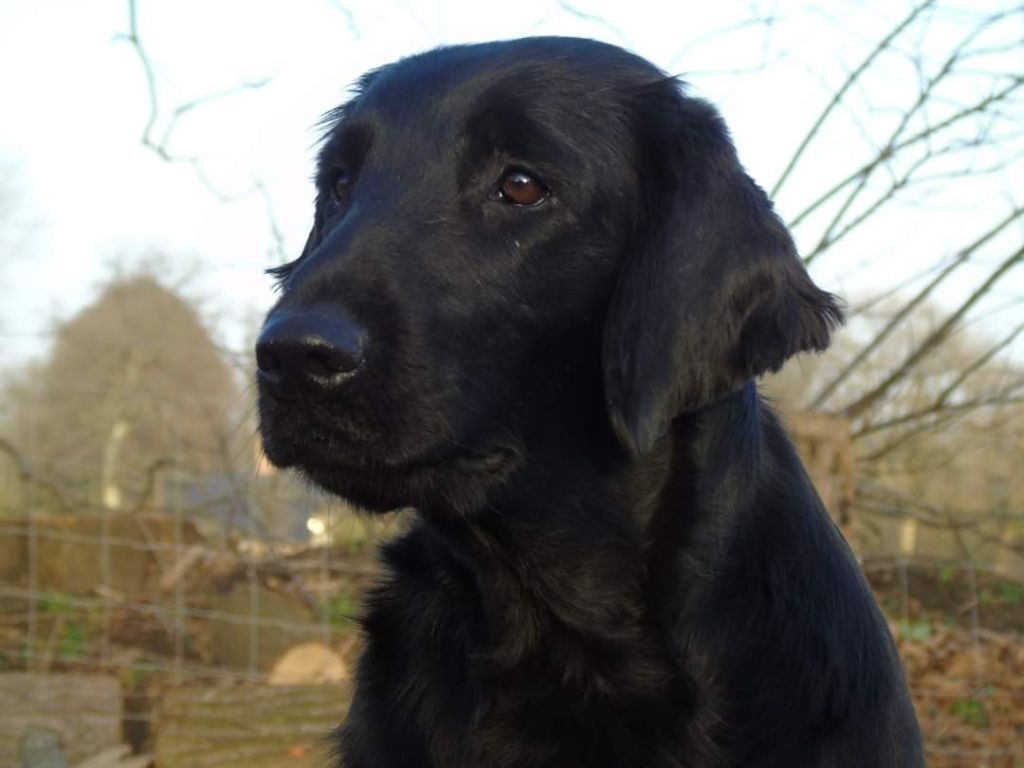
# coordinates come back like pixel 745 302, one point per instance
pixel 372 491
pixel 434 479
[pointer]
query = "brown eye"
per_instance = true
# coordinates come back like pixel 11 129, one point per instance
pixel 342 187
pixel 520 188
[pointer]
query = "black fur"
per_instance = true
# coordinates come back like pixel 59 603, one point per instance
pixel 618 559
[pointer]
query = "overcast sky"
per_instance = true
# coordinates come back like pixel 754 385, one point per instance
pixel 86 194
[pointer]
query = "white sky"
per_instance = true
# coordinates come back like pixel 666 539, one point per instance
pixel 73 104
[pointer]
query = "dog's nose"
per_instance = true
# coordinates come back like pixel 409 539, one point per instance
pixel 308 353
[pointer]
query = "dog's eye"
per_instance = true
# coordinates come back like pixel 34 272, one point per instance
pixel 520 188
pixel 342 187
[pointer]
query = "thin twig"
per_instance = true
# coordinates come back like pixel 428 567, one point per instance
pixel 161 147
pixel 838 96
pixel 933 340
pixel 888 152
pixel 868 349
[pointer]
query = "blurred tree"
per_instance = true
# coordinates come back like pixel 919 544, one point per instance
pixel 134 384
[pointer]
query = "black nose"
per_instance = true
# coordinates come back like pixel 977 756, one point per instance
pixel 308 353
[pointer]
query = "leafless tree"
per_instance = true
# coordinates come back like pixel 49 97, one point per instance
pixel 133 385
pixel 961 122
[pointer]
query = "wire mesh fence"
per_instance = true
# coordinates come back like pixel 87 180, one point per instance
pixel 222 603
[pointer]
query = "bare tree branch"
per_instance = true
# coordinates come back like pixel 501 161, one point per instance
pixel 925 97
pixel 27 474
pixel 161 147
pixel 870 303
pixel 853 77
pixel 941 401
pixel 572 10
pixel 888 152
pixel 278 248
pixel 933 340
pixel 350 19
pixel 962 258
pixel 943 406
pixel 910 178
pixel 974 367
pixel 766 21
pixel 147 68
pixel 830 237
pixel 904 508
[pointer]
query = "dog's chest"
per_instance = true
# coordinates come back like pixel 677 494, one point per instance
pixel 517 681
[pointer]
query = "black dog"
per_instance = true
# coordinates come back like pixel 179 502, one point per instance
pixel 538 286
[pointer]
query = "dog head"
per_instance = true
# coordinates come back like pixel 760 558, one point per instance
pixel 541 243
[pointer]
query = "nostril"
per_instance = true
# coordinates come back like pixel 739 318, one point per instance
pixel 327 362
pixel 317 365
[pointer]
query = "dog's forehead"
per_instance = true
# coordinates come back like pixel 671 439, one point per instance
pixel 543 100
pixel 452 82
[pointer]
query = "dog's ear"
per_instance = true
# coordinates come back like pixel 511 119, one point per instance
pixel 712 292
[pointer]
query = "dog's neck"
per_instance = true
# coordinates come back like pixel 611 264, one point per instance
pixel 581 561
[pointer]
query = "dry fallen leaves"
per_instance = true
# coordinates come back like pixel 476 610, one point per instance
pixel 968 688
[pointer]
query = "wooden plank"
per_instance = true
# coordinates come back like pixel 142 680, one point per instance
pixel 117 757
pixel 83 711
pixel 248 726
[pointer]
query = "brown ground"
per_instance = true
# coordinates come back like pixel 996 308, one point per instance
pixel 963 647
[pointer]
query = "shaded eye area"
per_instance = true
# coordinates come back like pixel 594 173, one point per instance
pixel 518 187
pixel 341 189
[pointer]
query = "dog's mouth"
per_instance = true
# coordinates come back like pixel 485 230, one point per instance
pixel 458 459
pixel 380 483
pixel 316 451
pixel 382 460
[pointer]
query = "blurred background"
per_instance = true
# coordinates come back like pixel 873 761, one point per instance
pixel 167 598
